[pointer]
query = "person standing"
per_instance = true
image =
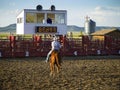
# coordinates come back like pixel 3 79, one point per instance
pixel 49 20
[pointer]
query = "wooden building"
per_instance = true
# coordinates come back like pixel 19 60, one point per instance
pixel 101 34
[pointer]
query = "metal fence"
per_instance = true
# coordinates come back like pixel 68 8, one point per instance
pixel 37 46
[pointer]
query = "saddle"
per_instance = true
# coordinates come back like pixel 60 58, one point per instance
pixel 56 51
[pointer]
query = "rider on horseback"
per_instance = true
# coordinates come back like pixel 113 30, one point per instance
pixel 55 46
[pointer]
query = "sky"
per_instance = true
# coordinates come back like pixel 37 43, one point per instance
pixel 103 12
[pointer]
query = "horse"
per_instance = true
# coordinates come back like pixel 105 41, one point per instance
pixel 55 60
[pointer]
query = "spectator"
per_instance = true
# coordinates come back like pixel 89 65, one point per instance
pixel 49 20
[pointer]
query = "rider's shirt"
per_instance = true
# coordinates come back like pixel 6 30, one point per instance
pixel 55 45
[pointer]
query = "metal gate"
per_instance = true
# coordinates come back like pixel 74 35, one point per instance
pixel 38 46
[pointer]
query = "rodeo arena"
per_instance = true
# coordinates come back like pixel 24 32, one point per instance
pixel 42 25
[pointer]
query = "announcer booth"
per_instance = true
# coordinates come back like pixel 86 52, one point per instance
pixel 39 21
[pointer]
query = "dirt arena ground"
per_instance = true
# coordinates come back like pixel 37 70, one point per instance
pixel 77 73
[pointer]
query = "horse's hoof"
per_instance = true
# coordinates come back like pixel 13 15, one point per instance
pixel 50 74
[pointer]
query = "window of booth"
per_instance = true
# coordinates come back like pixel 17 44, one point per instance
pixel 19 20
pixel 40 17
pixel 51 16
pixel 57 18
pixel 34 17
pixel 30 17
pixel 60 18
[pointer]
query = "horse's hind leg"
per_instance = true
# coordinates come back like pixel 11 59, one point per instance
pixel 52 68
pixel 58 68
pixel 58 64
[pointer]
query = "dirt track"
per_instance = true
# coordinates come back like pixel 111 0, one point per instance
pixel 78 73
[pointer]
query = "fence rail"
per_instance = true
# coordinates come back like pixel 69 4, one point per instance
pixel 38 46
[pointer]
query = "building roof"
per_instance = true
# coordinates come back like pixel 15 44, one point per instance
pixel 104 31
pixel 42 11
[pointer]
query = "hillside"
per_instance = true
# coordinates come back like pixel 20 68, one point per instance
pixel 9 28
pixel 74 28
pixel 71 28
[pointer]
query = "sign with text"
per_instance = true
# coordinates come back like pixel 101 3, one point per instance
pixel 45 29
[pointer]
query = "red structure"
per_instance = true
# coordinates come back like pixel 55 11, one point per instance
pixel 38 46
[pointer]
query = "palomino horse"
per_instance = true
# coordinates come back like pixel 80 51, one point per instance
pixel 55 60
